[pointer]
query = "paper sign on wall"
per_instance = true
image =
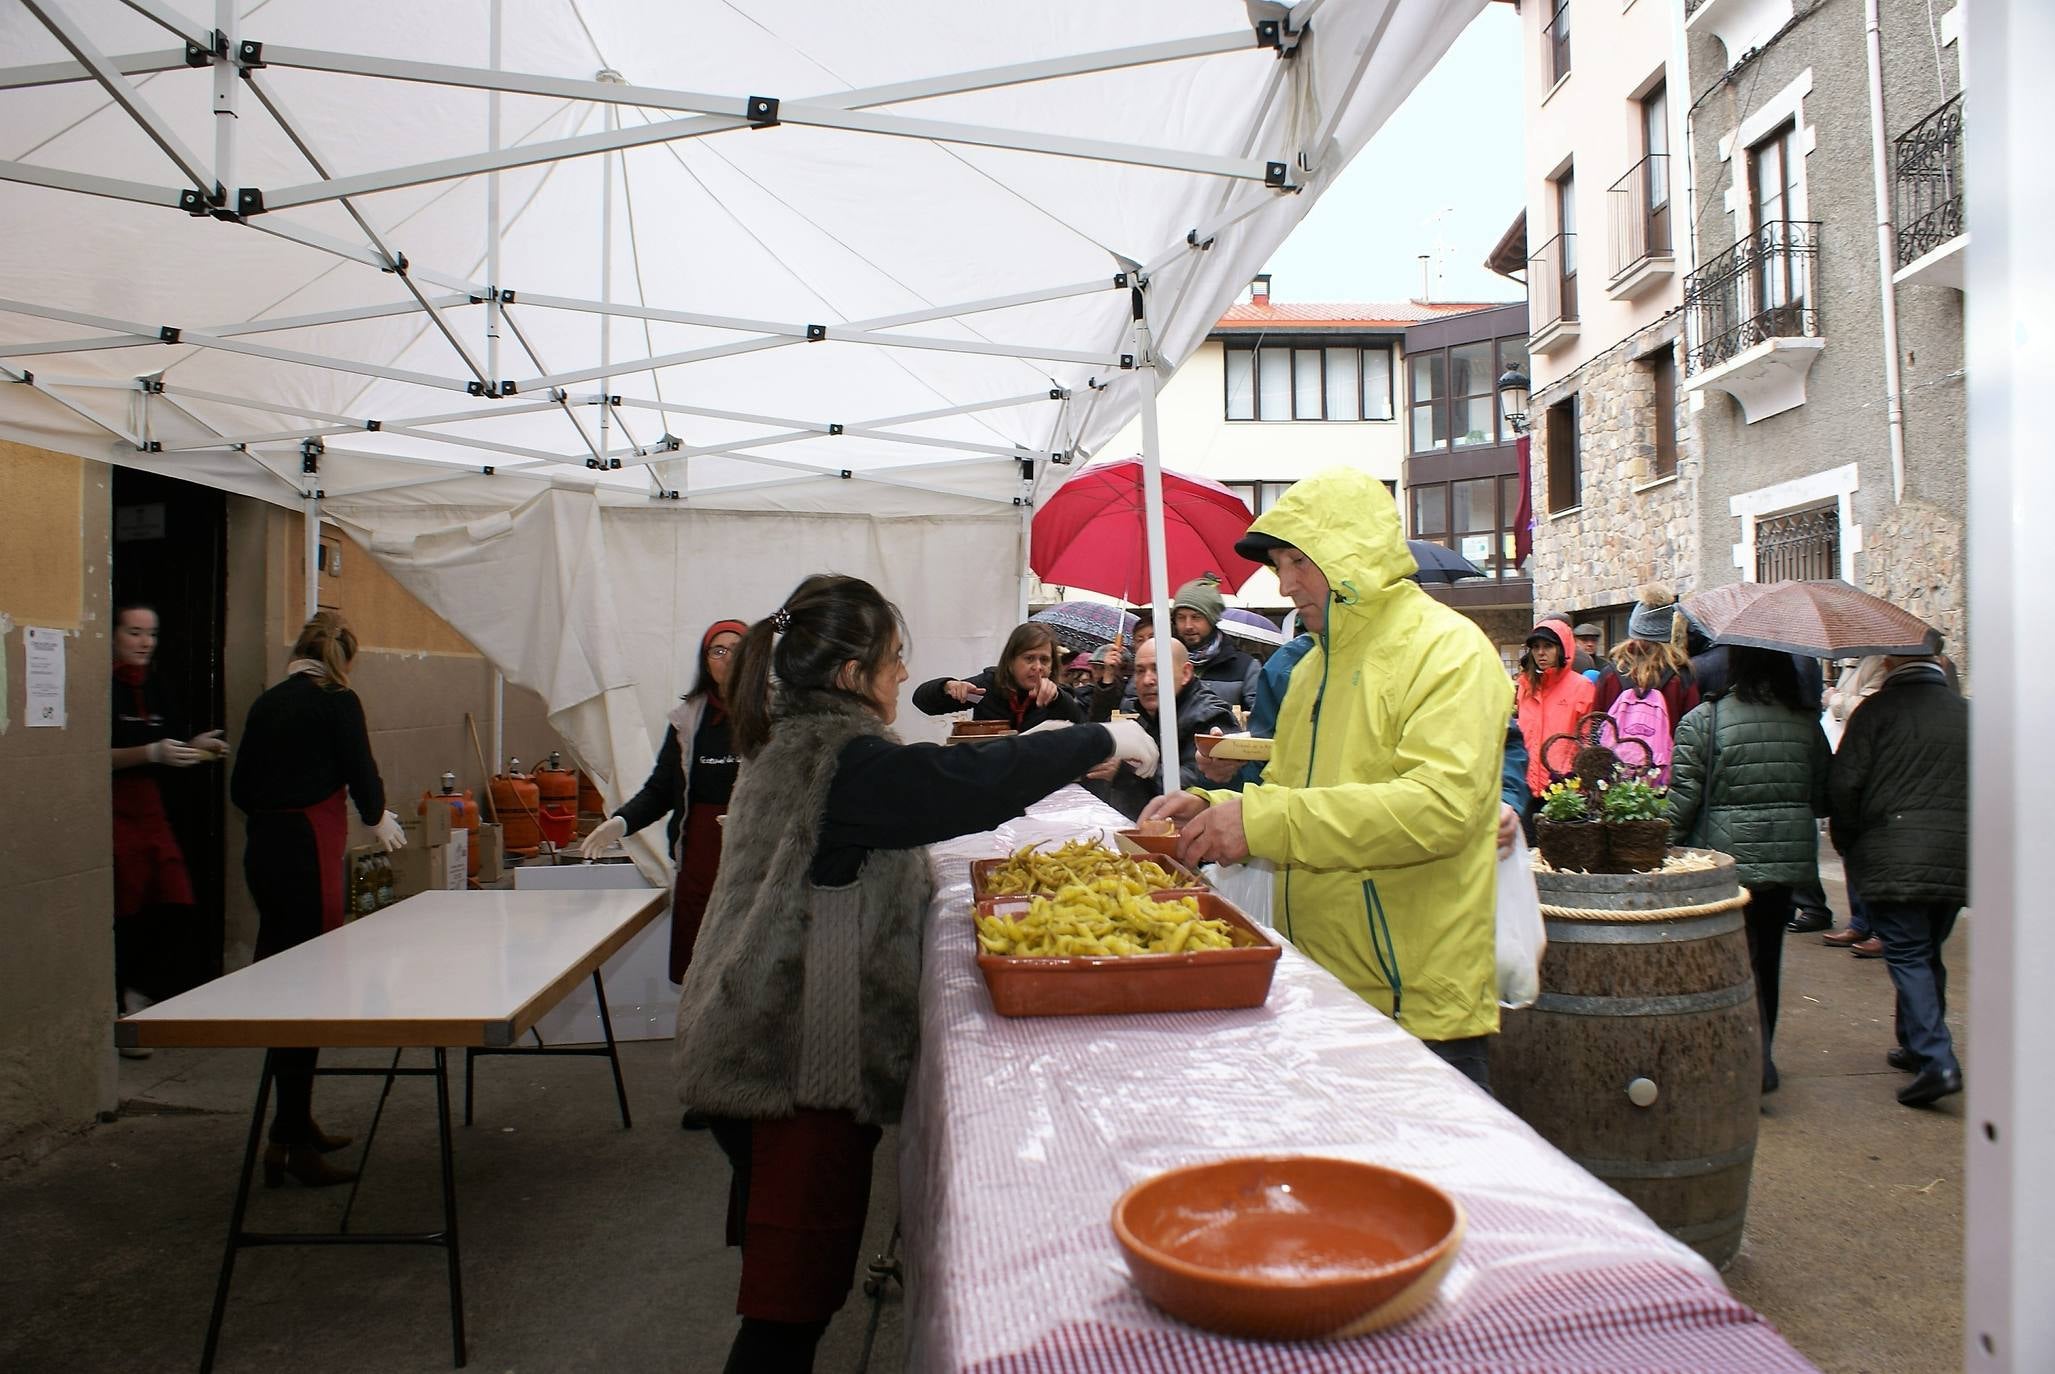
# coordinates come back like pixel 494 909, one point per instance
pixel 43 664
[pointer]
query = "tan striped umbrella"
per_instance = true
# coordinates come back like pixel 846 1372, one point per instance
pixel 1822 619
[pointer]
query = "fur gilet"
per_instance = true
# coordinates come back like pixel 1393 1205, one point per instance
pixel 801 996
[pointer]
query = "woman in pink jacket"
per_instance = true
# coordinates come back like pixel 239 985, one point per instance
pixel 1551 698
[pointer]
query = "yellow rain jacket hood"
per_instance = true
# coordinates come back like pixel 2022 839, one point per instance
pixel 1380 801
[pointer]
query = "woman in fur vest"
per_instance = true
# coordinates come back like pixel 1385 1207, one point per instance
pixel 800 1014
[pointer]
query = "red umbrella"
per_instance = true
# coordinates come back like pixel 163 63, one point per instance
pixel 1091 534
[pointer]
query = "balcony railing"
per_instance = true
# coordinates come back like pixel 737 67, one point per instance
pixel 1639 207
pixel 1559 42
pixel 1552 283
pixel 1926 183
pixel 1762 288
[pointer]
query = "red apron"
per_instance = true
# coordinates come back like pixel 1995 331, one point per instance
pixel 149 870
pixel 702 844
pixel 329 822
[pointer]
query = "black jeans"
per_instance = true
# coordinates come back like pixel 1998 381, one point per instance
pixel 1913 933
pixel 284 873
pixel 1470 1056
pixel 1768 909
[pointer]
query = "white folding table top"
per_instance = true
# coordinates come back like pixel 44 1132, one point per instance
pixel 441 968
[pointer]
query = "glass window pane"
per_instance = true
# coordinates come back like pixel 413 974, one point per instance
pixel 1241 383
pixel 1273 492
pixel 1472 505
pixel 1470 371
pixel 1512 353
pixel 1430 377
pixel 1430 510
pixel 1247 491
pixel 1430 426
pixel 1377 384
pixel 1344 387
pixel 1273 384
pixel 1475 416
pixel 1306 383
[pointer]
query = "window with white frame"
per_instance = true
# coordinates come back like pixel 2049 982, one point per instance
pixel 1297 381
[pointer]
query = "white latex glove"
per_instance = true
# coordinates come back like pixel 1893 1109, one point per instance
pixel 1134 746
pixel 607 833
pixel 388 833
pixel 173 754
pixel 964 691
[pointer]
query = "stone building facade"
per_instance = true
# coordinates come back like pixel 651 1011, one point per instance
pixel 1635 522
pixel 1786 359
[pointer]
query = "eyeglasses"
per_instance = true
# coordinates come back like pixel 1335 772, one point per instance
pixel 720 651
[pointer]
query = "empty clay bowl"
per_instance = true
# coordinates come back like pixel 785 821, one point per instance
pixel 1288 1247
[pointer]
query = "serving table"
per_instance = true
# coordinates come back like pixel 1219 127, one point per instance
pixel 1021 1132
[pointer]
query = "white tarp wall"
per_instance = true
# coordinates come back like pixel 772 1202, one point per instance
pixel 600 266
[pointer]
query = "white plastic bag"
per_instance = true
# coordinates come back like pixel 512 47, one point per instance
pixel 1521 937
pixel 1248 885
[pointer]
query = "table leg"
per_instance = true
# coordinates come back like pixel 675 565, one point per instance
pixel 364 1156
pixel 470 1078
pixel 613 1052
pixel 235 1219
pixel 449 1203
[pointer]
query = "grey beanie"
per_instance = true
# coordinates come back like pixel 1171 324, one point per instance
pixel 1654 618
pixel 1201 594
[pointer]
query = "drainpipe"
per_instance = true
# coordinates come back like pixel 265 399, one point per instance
pixel 1894 391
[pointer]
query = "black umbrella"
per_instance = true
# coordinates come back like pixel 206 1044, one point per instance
pixel 1439 563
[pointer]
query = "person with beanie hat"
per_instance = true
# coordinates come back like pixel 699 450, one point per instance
pixel 1195 613
pixel 1650 663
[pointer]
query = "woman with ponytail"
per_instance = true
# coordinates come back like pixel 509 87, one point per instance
pixel 799 1019
pixel 304 746
pixel 694 774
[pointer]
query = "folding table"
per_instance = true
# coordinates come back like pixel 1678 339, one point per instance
pixel 472 969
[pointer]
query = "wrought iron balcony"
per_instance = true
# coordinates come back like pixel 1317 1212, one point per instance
pixel 1638 206
pixel 1926 183
pixel 1552 292
pixel 1762 288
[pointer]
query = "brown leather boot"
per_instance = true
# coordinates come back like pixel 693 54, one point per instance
pixel 305 1164
pixel 324 1142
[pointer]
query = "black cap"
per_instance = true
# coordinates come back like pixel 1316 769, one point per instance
pixel 1256 546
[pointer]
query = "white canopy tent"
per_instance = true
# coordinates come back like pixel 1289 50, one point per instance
pixel 598 321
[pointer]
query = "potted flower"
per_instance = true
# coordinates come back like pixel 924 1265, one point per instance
pixel 1635 816
pixel 1570 837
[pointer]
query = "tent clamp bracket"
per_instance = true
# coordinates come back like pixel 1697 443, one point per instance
pixel 665 494
pixel 761 111
pixel 487 471
pixel 474 388
pixel 1023 501
pixel 506 387
pixel 150 386
pixel 150 446
pixel 816 332
pixel 847 474
pixel 834 429
pixel 1277 176
pixel 1192 237
pixel 249 54
pixel 613 402
pixel 1058 393
pixel 1127 362
pixel 1027 469
pixel 249 201
pixel 310 456
pixel 1277 33
pixel 559 395
pixel 373 426
pixel 167 334
pixel 197 56
pixel 506 295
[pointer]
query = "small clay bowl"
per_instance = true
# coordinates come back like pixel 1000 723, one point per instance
pixel 1288 1247
pixel 1154 844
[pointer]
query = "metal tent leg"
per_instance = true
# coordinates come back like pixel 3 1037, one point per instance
pixel 449 1204
pixel 235 1216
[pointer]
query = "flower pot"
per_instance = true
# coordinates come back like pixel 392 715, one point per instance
pixel 1572 846
pixel 1636 846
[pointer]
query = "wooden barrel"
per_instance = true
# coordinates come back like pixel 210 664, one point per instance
pixel 1642 1058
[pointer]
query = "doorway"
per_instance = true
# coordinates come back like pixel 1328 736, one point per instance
pixel 170 552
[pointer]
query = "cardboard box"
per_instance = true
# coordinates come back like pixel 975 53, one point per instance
pixel 420 868
pixel 456 857
pixel 492 852
pixel 430 827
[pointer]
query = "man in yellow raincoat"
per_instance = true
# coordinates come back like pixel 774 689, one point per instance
pixel 1380 803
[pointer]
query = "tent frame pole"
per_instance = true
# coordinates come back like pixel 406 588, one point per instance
pixel 312 506
pixel 1159 559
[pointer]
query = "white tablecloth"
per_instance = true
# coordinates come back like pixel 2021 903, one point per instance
pixel 1021 1133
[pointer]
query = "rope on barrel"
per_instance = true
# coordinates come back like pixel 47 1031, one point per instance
pixel 1666 913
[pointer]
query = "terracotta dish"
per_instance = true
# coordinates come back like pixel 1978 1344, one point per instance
pixel 1196 980
pixel 1288 1247
pixel 1165 845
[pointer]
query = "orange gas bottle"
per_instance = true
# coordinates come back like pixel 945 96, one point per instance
pixel 589 802
pixel 463 815
pixel 558 814
pixel 518 802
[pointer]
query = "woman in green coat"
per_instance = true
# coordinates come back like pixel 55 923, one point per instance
pixel 1748 778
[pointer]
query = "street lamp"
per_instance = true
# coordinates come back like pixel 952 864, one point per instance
pixel 1513 391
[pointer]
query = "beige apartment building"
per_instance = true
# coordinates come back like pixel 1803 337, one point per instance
pixel 1604 247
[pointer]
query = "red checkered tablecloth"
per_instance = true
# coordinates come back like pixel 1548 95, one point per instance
pixel 1020 1133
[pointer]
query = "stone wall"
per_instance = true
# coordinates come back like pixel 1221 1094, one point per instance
pixel 1629 527
pixel 1915 559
